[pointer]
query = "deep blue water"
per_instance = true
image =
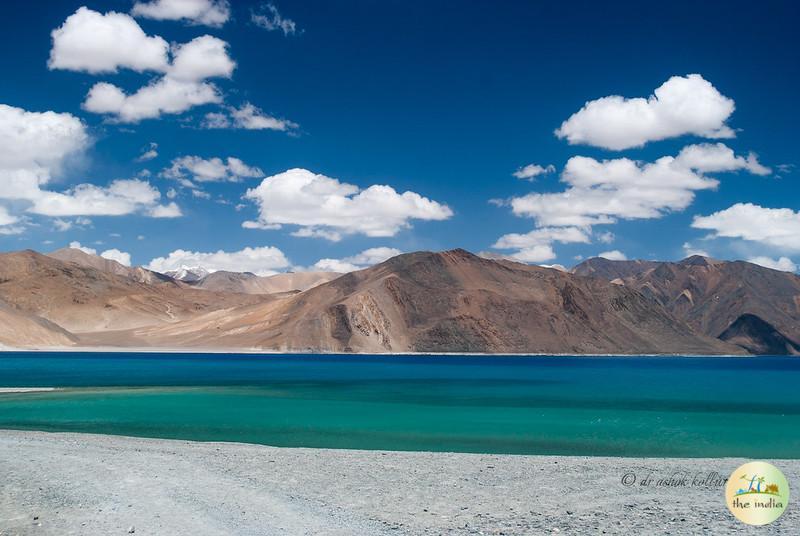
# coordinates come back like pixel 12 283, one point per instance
pixel 636 406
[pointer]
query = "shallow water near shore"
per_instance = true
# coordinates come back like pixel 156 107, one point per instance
pixel 611 406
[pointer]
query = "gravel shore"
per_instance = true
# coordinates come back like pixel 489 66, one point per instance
pixel 93 484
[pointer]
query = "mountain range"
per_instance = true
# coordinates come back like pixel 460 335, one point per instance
pixel 450 301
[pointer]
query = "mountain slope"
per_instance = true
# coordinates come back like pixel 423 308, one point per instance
pixel 81 298
pixel 21 330
pixel 711 295
pixel 759 337
pixel 451 302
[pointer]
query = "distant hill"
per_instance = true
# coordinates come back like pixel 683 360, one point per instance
pixel 717 297
pixel 109 266
pixel 248 283
pixel 80 298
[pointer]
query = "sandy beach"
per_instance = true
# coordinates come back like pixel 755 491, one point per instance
pixel 92 484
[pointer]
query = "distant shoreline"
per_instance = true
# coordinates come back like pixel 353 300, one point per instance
pixel 257 351
pixel 161 486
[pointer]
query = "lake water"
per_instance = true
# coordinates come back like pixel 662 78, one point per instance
pixel 617 406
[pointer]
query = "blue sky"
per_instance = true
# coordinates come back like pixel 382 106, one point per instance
pixel 439 100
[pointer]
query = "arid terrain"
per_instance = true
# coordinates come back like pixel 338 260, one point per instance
pixel 450 301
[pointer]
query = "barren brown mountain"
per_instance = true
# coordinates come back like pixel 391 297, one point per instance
pixel 449 302
pixel 755 307
pixel 83 299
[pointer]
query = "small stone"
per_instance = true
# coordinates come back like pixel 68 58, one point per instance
pixel 131 529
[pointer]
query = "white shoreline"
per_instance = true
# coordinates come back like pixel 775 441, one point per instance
pixel 25 389
pixel 93 484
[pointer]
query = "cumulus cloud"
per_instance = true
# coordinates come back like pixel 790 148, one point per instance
pixel 210 170
pixel 775 227
pixel 269 18
pixel 120 197
pixel 170 210
pixel 114 254
pixel 365 259
pixel 681 105
pixel 247 117
pixel 531 171
pixel 783 264
pixel 717 157
pixel 536 246
pixel 101 43
pixel 213 13
pixel 35 146
pixel 98 43
pixel 601 192
pixel 614 255
pixel 163 96
pixel 260 261
pixel 202 57
pixel 319 203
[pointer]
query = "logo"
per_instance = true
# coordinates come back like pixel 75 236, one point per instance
pixel 757 493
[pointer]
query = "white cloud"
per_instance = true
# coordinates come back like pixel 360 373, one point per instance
pixel 170 210
pixel 35 145
pixel 213 13
pixel 202 57
pixel 775 227
pixel 784 264
pixel 247 117
pixel 120 197
pixel 116 255
pixel 531 171
pixel 680 106
pixel 365 259
pixel 97 43
pixel 614 255
pixel 149 153
pixel 605 237
pixel 6 218
pixel 210 170
pixel 604 191
pixel 270 19
pixel 319 203
pixel 536 246
pixel 163 96
pixel 716 157
pixel 182 87
pixel 260 261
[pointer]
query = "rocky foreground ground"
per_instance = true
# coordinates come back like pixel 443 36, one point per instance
pixel 91 484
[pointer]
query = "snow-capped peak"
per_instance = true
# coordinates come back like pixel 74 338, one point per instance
pixel 188 273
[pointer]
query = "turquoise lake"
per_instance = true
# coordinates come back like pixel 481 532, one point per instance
pixel 616 406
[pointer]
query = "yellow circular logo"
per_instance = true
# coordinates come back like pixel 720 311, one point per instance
pixel 757 493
